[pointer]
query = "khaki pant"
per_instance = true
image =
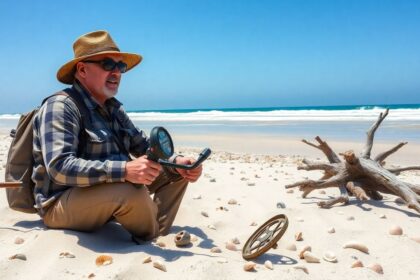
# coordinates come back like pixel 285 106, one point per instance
pixel 87 209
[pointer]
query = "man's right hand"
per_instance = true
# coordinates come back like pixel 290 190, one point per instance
pixel 142 171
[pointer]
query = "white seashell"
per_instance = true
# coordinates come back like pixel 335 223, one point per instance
pixel 377 268
pixel 303 250
pixel 231 246
pixel 147 259
pixel 416 239
pixel 291 247
pixel 18 256
pixel 211 227
pixel 232 201
pixel 383 216
pixel 19 240
pixel 203 213
pixel 197 197
pixel 330 257
pixel 310 258
pixel 268 264
pixel 356 245
pixel 331 230
pixel 215 250
pixel 396 230
pixel 301 267
pixel 298 236
pixel 249 266
pixel 67 255
pixel 357 264
pixel 159 265
pixel 235 241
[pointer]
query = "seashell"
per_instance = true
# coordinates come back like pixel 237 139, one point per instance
pixel 301 267
pixel 159 265
pixel 18 256
pixel 396 230
pixel 249 266
pixel 291 247
pixel 231 246
pixel 290 191
pixel 103 260
pixel 204 214
pixel 215 250
pixel 357 264
pixel 182 238
pixel 416 239
pixel 303 250
pixel 67 255
pixel 330 257
pixel 331 230
pixel 310 258
pixel 235 241
pixel 212 180
pixel 383 216
pixel 268 264
pixel 281 205
pixel 253 224
pixel 377 268
pixel 197 197
pixel 232 201
pixel 147 259
pixel 356 245
pixel 19 240
pixel 211 227
pixel 298 236
pixel 91 275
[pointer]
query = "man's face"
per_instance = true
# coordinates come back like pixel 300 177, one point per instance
pixel 101 84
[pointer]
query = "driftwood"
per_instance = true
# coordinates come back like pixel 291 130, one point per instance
pixel 361 175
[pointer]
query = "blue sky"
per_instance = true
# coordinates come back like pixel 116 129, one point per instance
pixel 219 54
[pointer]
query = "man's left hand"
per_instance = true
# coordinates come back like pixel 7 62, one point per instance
pixel 190 175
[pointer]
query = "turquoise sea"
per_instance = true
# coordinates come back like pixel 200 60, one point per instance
pixel 330 122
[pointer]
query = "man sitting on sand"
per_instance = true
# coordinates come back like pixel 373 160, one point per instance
pixel 82 187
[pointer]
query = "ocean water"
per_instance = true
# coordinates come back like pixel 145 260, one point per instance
pixel 330 122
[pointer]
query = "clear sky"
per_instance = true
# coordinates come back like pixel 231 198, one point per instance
pixel 219 54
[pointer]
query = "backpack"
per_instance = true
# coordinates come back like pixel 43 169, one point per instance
pixel 19 164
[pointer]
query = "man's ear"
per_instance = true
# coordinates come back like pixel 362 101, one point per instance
pixel 81 69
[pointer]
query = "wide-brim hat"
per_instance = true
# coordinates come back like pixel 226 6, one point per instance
pixel 90 45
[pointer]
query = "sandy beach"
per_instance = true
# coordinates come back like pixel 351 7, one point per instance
pixel 256 183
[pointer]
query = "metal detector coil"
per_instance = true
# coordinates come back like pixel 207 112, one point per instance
pixel 265 237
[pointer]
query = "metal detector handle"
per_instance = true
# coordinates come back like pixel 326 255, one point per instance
pixel 202 157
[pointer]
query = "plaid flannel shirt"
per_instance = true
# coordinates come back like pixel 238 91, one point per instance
pixel 61 163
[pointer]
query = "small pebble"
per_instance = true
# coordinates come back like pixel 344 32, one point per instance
pixel 235 240
pixel 331 230
pixel 290 191
pixel 197 197
pixel 396 230
pixel 91 275
pixel 67 255
pixel 232 201
pixel 215 250
pixel 19 240
pixel 350 218
pixel 249 266
pixel 203 213
pixel 322 192
pixel 18 256
pixel 251 184
pixel 399 200
pixel 383 216
pixel 281 205
pixel 212 180
pixel 253 224
pixel 231 246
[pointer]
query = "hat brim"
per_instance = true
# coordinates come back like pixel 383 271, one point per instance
pixel 66 73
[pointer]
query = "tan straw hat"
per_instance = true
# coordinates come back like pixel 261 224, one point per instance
pixel 92 44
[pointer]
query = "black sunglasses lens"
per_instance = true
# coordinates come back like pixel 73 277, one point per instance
pixel 109 65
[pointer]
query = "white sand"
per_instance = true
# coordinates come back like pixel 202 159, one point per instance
pixel 398 255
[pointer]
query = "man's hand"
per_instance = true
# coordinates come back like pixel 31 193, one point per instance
pixel 190 175
pixel 142 171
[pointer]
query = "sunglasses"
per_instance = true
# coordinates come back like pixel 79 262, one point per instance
pixel 109 65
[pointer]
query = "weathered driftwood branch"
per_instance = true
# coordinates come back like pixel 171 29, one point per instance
pixel 360 176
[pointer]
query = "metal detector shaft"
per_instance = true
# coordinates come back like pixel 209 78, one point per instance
pixel 10 185
pixel 202 157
